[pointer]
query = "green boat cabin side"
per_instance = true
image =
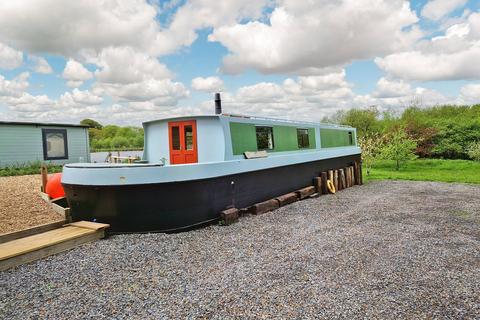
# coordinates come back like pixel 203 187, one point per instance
pixel 248 136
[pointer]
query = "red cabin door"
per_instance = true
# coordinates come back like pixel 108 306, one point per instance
pixel 183 142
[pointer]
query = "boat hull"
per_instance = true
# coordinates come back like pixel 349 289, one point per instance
pixel 177 206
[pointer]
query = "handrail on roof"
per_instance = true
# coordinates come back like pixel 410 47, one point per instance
pixel 285 120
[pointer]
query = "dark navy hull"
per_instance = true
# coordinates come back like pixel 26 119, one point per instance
pixel 176 206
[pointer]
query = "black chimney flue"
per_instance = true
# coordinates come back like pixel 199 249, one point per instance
pixel 218 104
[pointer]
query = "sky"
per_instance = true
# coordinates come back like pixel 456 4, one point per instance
pixel 127 61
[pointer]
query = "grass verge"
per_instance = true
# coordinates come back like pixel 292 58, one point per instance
pixel 25 169
pixel 465 171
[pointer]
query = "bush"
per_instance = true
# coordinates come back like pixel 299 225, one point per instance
pixel 474 151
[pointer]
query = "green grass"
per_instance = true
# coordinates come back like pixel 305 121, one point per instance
pixel 427 170
pixel 27 168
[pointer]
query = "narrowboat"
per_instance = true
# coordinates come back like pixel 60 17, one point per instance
pixel 195 167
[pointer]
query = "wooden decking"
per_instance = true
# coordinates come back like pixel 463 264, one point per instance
pixel 37 246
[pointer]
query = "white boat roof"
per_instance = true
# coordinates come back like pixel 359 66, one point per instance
pixel 249 118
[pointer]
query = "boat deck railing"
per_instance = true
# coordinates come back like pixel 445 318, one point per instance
pixel 332 125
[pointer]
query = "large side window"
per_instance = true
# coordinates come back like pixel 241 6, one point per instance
pixel 302 137
pixel 55 146
pixel 264 138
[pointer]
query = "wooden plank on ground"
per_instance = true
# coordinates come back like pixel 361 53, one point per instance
pixel 31 231
pixel 39 241
pixel 89 225
pixel 44 196
pixel 51 249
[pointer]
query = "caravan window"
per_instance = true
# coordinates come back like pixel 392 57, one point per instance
pixel 55 145
pixel 264 138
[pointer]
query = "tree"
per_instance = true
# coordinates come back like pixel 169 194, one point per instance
pixel 365 120
pixel 91 123
pixel 398 147
pixel 371 146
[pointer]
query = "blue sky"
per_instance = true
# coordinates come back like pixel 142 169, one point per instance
pixel 126 62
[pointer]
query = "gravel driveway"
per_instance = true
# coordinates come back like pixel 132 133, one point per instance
pixel 385 250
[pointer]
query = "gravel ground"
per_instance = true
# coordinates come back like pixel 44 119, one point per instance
pixel 385 250
pixel 20 204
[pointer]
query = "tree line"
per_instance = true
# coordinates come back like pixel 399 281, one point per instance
pixel 445 132
pixel 112 137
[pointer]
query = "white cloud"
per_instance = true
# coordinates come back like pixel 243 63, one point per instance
pixel 470 94
pixel 320 34
pixel 79 98
pixel 142 79
pixel 208 84
pixel 159 92
pixel 113 23
pixel 199 14
pixel 125 65
pixel 451 56
pixel 9 57
pixel 14 87
pixel 392 89
pixel 262 92
pixel 41 65
pixel 73 27
pixel 437 9
pixel 75 73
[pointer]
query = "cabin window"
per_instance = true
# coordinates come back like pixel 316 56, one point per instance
pixel 188 137
pixel 350 138
pixel 302 136
pixel 264 138
pixel 176 138
pixel 55 146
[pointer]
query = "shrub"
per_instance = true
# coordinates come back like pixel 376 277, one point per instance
pixel 474 151
pixel 398 147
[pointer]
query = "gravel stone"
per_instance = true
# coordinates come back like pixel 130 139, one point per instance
pixel 386 250
pixel 21 206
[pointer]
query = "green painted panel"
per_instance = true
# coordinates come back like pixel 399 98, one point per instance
pixel 284 138
pixel 311 138
pixel 243 137
pixel 336 138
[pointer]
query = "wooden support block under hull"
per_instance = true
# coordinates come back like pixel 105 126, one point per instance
pixel 305 192
pixel 287 199
pixel 229 216
pixel 265 206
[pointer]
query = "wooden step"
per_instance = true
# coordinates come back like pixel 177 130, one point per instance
pixel 34 247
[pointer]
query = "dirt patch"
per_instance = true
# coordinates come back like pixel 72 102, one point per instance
pixel 20 204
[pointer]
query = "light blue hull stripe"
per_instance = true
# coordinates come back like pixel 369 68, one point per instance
pixel 134 174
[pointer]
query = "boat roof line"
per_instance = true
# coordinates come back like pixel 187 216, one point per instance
pixel 333 125
pixel 285 120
